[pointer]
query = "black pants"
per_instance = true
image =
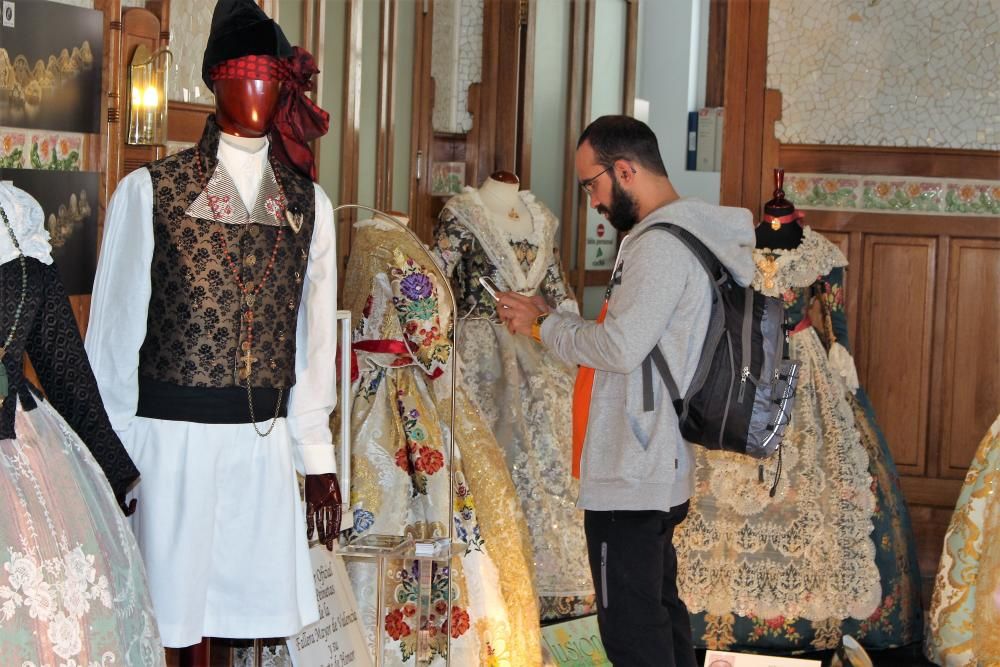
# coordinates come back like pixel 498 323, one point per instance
pixel 641 617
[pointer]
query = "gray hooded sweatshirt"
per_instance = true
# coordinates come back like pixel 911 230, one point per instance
pixel 632 459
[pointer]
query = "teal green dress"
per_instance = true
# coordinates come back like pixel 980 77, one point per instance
pixel 832 551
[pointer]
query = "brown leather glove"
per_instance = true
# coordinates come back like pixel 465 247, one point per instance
pixel 323 507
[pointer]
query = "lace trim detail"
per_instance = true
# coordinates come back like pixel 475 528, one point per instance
pixel 780 270
pixel 807 552
pixel 470 211
pixel 28 220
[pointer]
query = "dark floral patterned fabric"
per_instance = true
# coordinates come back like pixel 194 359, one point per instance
pixel 197 332
pixel 456 246
pixel 48 333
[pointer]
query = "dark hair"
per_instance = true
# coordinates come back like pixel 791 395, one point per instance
pixel 623 138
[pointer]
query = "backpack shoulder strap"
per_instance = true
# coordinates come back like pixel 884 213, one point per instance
pixel 717 274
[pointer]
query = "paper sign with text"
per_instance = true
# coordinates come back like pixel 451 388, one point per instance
pixel 727 659
pixel 575 643
pixel 337 638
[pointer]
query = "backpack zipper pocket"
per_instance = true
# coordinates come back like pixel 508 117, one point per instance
pixel 604 574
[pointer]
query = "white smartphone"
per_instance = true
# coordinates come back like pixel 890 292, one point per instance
pixel 490 287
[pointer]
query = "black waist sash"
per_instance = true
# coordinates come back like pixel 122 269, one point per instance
pixel 208 405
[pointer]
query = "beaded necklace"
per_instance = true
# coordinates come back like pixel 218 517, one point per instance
pixel 4 383
pixel 249 293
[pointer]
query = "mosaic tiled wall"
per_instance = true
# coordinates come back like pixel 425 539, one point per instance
pixel 894 194
pixel 189 24
pixel 887 72
pixel 457 61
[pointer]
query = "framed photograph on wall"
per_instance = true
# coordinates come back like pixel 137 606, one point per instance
pixel 69 200
pixel 50 67
pixel 447 178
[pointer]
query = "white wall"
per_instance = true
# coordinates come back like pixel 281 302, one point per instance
pixel 665 78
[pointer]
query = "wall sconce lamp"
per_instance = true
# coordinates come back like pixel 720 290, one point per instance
pixel 147 117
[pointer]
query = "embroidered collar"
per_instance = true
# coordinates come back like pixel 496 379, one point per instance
pixel 781 269
pixel 472 213
pixel 221 201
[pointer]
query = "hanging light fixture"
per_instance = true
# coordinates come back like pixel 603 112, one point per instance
pixel 147 118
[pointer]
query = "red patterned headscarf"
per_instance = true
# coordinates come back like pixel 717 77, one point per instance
pixel 298 120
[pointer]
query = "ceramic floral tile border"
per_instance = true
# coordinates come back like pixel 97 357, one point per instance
pixel 894 194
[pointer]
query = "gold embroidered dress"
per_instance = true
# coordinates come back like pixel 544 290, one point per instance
pixel 400 421
pixel 832 551
pixel 964 616
pixel 523 390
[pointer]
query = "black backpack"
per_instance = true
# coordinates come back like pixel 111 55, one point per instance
pixel 741 395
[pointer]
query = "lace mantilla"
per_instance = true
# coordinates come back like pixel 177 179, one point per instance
pixel 779 270
pixel 28 220
pixel 470 210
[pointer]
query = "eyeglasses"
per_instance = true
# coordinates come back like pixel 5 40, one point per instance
pixel 588 185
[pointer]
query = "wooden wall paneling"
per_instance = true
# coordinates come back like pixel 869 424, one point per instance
pixel 186 121
pixel 573 114
pixel 716 76
pixel 507 62
pixel 525 92
pixel 350 135
pixel 897 297
pixel 586 91
pixel 929 162
pixel 103 150
pixel 388 18
pixel 420 127
pixel 487 100
pixel 970 391
pixel 314 41
pixel 745 130
pixel 631 50
pixel 736 90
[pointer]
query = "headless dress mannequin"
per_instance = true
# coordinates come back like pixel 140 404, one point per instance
pixel 788 233
pixel 508 212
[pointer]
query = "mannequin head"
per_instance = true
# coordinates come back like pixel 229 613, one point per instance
pixel 775 231
pixel 505 177
pixel 246 107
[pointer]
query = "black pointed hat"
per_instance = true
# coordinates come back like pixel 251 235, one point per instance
pixel 241 28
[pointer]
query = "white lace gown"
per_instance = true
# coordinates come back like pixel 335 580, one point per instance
pixel 72 584
pixel 524 392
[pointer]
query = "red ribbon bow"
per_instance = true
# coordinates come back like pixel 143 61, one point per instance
pixel 299 120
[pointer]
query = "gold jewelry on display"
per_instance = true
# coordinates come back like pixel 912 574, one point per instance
pixel 512 214
pixel 769 268
pixel 775 225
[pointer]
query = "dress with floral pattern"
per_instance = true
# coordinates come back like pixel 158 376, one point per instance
pixel 964 619
pixel 522 389
pixel 832 552
pixel 400 421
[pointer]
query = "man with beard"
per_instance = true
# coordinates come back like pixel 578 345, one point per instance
pixel 635 469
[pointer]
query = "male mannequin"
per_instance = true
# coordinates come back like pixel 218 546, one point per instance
pixel 212 335
pixel 499 194
pixel 780 227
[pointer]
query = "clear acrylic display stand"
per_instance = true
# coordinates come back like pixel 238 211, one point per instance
pixel 385 548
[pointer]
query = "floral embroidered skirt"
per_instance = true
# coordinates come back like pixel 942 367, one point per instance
pixel 964 625
pixel 72 584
